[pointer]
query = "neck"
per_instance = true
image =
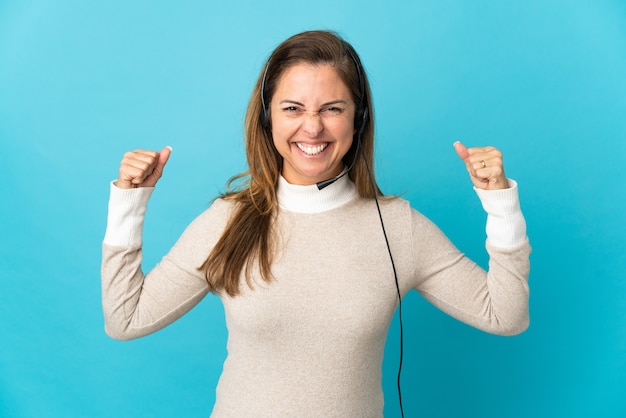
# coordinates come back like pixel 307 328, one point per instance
pixel 313 199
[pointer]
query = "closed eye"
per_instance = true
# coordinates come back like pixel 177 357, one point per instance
pixel 332 110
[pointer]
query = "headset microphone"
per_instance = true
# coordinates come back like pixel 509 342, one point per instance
pixel 325 183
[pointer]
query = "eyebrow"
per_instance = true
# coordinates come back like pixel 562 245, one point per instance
pixel 323 104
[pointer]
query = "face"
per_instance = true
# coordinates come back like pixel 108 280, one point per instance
pixel 312 115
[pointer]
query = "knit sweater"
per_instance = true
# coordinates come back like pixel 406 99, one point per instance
pixel 311 341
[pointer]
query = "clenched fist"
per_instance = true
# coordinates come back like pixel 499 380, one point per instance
pixel 484 165
pixel 141 168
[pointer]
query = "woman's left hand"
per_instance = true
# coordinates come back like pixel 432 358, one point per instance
pixel 484 165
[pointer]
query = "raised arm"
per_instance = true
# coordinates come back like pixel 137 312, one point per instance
pixel 496 300
pixel 135 305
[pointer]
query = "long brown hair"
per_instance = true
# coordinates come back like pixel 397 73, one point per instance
pixel 248 239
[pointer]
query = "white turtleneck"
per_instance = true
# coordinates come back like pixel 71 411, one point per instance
pixel 309 199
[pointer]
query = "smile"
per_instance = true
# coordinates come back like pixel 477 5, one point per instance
pixel 312 149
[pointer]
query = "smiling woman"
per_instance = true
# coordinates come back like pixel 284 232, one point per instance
pixel 312 143
pixel 308 285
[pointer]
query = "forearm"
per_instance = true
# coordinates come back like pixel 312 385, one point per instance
pixel 496 300
pixel 135 305
pixel 507 284
pixel 507 291
pixel 506 226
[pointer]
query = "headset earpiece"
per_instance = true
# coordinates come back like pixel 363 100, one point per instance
pixel 265 120
pixel 360 117
pixel 360 120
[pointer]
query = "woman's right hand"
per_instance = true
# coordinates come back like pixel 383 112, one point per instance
pixel 141 168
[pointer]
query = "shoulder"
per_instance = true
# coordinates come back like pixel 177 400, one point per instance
pixel 394 203
pixel 221 205
pixel 398 210
pixel 215 216
pixel 395 206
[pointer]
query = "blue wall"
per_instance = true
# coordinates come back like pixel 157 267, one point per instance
pixel 83 81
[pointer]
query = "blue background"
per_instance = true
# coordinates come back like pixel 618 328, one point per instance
pixel 83 81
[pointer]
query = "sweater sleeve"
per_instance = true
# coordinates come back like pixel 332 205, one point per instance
pixel 496 300
pixel 135 304
pixel 127 209
pixel 506 227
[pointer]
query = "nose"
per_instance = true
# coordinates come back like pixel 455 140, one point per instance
pixel 312 124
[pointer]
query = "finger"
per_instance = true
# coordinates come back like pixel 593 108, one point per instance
pixel 136 166
pixel 481 150
pixel 461 150
pixel 488 168
pixel 141 164
pixel 164 156
pixel 485 166
pixel 483 157
pixel 148 157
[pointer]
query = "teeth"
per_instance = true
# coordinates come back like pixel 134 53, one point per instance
pixel 312 150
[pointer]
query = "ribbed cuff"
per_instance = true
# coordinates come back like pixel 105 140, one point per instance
pixel 127 209
pixel 506 226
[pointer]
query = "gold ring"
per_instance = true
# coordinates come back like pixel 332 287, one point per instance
pixel 482 164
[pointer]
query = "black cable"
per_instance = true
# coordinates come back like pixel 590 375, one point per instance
pixel 395 276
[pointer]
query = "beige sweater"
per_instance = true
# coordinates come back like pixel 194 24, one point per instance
pixel 311 342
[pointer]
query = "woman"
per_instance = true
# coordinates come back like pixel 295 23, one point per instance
pixel 307 257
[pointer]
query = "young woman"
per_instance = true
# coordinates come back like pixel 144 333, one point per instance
pixel 307 256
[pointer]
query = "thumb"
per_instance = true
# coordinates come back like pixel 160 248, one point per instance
pixel 164 155
pixel 461 150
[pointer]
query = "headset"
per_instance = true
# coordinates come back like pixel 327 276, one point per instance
pixel 360 120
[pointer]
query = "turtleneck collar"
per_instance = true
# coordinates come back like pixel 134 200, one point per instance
pixel 309 199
